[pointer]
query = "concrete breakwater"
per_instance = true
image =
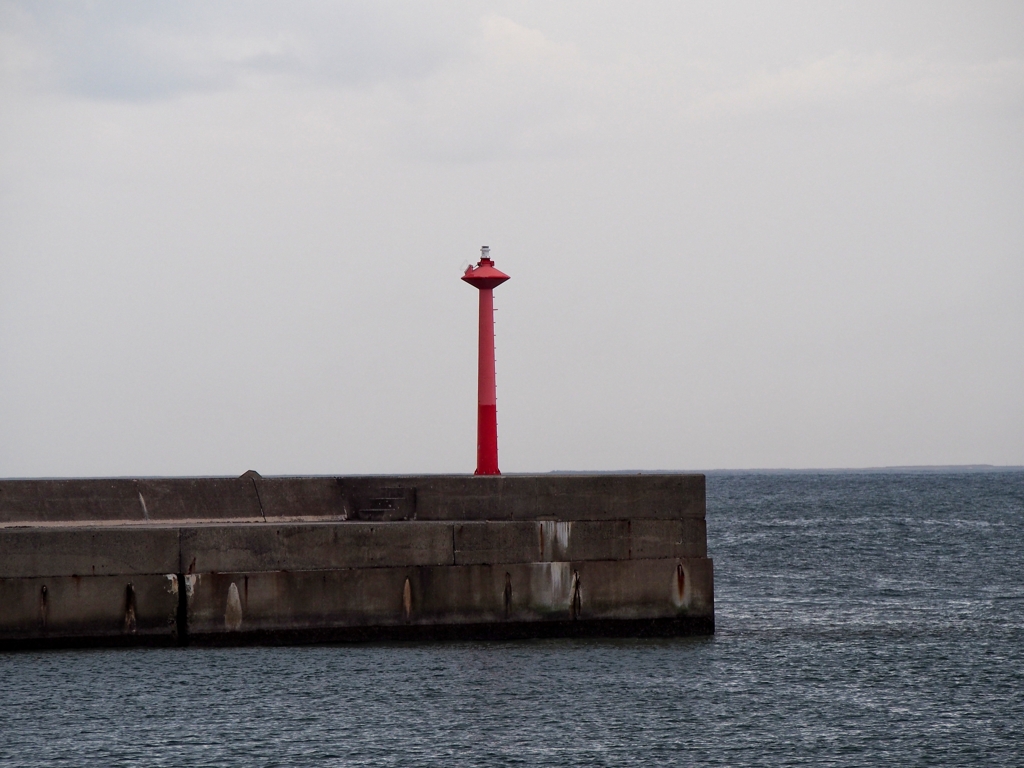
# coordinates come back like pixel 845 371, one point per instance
pixel 320 559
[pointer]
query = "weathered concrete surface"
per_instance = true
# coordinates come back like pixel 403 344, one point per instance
pixel 252 559
pixel 277 601
pixel 546 541
pixel 129 501
pixel 421 497
pixel 313 546
pixel 89 610
pixel 524 497
pixel 73 551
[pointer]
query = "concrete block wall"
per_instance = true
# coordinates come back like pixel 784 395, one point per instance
pixel 251 559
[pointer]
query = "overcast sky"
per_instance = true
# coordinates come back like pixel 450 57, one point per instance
pixel 784 234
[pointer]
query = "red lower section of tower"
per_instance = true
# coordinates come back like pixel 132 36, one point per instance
pixel 487 440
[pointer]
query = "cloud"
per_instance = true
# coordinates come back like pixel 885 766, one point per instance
pixel 442 83
pixel 141 51
pixel 513 91
pixel 432 84
pixel 843 78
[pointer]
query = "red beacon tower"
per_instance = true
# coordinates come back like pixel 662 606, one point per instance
pixel 485 277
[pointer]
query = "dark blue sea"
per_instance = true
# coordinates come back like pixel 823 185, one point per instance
pixel 863 619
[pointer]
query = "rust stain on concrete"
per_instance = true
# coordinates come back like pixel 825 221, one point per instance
pixel 130 622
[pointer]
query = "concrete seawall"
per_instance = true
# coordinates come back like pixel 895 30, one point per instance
pixel 317 559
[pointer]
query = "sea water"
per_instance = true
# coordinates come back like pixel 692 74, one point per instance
pixel 862 619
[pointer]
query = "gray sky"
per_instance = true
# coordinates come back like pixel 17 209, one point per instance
pixel 784 234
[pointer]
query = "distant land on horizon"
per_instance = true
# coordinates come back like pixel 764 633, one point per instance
pixel 922 468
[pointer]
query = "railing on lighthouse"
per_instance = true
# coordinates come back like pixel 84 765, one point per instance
pixel 486 278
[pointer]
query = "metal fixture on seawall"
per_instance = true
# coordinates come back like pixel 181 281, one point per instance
pixel 486 278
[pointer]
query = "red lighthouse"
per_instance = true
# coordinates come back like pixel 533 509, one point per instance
pixel 485 277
